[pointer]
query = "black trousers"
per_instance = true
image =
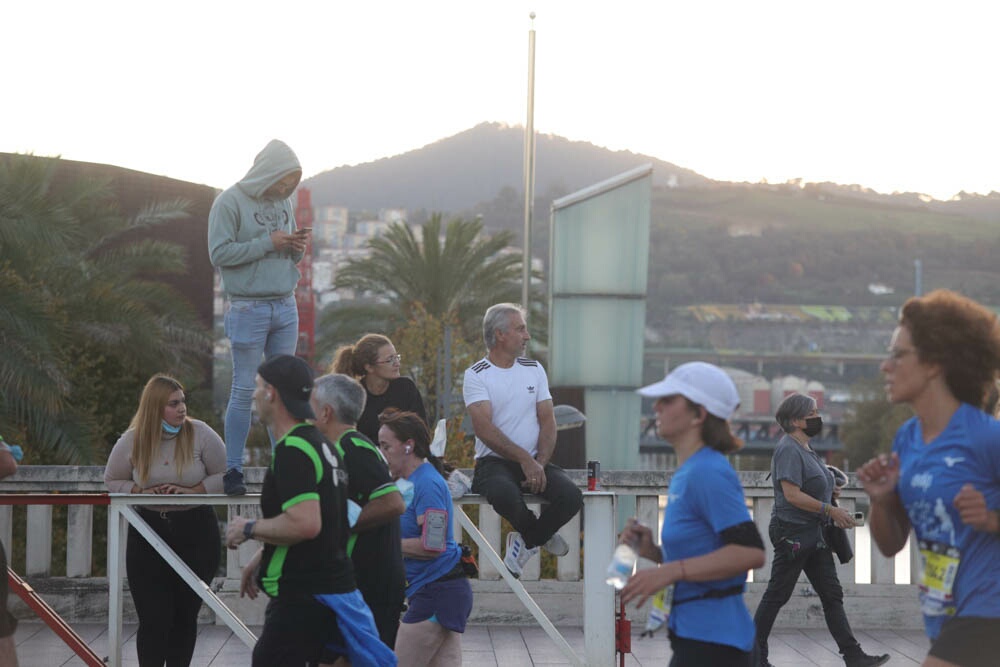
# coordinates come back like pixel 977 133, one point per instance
pixel 816 560
pixel 296 631
pixel 166 606
pixel 696 653
pixel 500 481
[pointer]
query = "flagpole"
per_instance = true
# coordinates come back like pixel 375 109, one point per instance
pixel 529 169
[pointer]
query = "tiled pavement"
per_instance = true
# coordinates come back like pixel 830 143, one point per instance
pixel 487 646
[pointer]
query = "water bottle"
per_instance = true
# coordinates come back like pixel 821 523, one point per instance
pixel 622 565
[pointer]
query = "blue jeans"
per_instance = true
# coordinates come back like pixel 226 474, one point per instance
pixel 816 560
pixel 255 328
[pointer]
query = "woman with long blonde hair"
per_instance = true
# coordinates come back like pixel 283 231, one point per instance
pixel 374 362
pixel 166 452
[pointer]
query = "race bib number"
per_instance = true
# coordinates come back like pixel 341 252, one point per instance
pixel 940 567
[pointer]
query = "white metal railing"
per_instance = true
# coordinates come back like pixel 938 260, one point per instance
pixel 647 487
pixel 599 598
pixel 598 521
pixel 121 514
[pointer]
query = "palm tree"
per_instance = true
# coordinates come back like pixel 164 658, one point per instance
pixel 82 311
pixel 454 275
pixel 423 293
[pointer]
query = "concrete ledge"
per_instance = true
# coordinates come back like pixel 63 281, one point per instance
pixel 869 606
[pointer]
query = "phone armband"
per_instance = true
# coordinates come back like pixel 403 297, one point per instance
pixel 435 534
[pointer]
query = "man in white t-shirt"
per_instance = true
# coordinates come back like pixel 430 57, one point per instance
pixel 507 396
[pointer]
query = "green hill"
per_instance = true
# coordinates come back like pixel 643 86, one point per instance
pixel 711 242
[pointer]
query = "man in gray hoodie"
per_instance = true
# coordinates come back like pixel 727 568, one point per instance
pixel 253 240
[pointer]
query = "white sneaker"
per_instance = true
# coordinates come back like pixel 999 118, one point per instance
pixel 556 545
pixel 518 554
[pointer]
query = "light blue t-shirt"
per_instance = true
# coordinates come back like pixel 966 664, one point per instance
pixel 430 491
pixel 931 475
pixel 705 497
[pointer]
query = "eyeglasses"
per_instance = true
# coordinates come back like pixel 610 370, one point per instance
pixel 394 359
pixel 895 355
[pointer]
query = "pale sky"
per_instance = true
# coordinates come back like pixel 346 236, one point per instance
pixel 894 95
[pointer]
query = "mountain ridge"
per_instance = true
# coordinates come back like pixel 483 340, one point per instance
pixel 458 172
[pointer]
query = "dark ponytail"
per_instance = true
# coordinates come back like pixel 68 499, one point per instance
pixel 407 425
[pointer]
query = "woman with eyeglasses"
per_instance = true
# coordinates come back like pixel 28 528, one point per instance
pixel 373 361
pixel 942 478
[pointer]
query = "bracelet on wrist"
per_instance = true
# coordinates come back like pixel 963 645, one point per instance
pixel 683 573
pixel 248 530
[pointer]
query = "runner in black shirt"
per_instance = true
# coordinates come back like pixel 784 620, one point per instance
pixel 374 544
pixel 303 567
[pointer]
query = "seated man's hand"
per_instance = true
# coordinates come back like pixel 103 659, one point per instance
pixel 534 476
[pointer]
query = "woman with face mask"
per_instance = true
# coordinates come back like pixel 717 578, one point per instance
pixel 166 452
pixel 803 495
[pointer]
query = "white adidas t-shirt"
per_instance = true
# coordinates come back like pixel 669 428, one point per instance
pixel 513 394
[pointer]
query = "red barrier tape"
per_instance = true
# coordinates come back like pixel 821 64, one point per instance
pixel 53 620
pixel 28 594
pixel 55 499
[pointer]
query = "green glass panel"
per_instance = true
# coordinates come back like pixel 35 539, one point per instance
pixel 596 341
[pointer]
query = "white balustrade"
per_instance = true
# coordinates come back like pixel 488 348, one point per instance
pixel 648 487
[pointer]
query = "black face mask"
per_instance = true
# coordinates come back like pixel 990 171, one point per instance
pixel 813 426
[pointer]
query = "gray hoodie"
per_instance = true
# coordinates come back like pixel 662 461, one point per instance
pixel 240 225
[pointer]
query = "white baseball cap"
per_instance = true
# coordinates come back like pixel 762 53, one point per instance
pixel 700 382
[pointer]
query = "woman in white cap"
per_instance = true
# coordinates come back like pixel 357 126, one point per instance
pixel 708 542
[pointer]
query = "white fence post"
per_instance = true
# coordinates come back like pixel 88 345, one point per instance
pixel 846 571
pixel 489 526
pixel 533 568
pixel 39 542
pixel 568 567
pixel 762 507
pixel 599 533
pixel 79 540
pixel 117 530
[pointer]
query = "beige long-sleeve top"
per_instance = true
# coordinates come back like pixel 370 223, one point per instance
pixel 207 466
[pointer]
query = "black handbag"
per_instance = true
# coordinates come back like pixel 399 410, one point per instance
pixel 837 539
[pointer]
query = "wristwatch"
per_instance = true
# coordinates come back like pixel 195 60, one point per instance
pixel 248 530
